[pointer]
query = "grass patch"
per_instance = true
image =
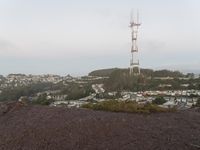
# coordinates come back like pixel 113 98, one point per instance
pixel 126 106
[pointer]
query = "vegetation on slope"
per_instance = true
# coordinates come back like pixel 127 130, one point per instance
pixel 126 106
pixel 16 92
pixel 121 80
pixel 159 100
pixel 42 100
pixel 76 91
pixel 102 72
pixel 146 72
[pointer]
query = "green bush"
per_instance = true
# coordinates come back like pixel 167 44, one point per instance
pixel 159 101
pixel 125 106
pixel 42 100
pixel 75 91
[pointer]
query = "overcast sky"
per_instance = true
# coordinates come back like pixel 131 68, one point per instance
pixel 77 36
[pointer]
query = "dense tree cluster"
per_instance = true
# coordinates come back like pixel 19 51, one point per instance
pixel 120 80
pixel 76 91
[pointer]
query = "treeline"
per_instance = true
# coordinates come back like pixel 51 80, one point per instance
pixel 103 72
pixel 161 73
pixel 121 80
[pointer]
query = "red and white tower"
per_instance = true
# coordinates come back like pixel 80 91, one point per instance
pixel 134 63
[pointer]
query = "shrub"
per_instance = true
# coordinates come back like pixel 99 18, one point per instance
pixel 42 100
pixel 125 106
pixel 159 100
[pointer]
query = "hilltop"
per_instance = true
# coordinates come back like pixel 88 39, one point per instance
pixel 146 72
pixel 42 128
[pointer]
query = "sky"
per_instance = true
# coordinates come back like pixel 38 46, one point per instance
pixel 75 36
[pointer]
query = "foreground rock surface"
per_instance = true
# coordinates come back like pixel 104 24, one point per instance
pixel 48 128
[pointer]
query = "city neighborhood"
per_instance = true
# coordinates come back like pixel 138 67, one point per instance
pixel 182 99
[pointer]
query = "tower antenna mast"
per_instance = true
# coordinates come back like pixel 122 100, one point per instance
pixel 134 63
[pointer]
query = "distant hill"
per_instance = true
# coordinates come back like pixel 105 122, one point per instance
pixel 146 72
pixel 102 72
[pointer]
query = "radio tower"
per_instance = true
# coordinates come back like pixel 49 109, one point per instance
pixel 134 63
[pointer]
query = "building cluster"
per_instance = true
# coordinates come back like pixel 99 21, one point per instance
pixel 180 98
pixel 98 89
pixel 17 80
